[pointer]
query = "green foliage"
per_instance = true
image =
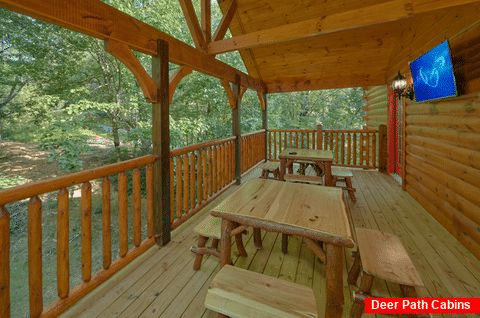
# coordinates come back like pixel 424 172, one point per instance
pixel 11 181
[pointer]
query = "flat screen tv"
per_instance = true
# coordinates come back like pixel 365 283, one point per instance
pixel 432 74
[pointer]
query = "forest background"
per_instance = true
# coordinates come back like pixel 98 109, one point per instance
pixel 61 90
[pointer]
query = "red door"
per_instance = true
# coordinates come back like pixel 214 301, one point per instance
pixel 395 134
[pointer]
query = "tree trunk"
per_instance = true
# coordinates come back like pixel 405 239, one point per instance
pixel 116 137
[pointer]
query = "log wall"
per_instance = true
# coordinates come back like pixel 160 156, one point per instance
pixel 377 106
pixel 443 148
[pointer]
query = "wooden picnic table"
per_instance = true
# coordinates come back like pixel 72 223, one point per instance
pixel 314 213
pixel 321 158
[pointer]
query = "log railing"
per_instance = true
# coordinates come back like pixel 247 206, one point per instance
pixel 253 149
pixel 61 185
pixel 351 148
pixel 198 173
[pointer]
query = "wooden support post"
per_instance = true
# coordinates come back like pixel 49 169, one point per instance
pixel 334 272
pixel 264 125
pixel 161 145
pixel 4 262
pixel 382 148
pixel 236 131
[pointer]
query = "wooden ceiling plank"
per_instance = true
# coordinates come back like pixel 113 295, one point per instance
pixel 102 21
pixel 225 22
pixel 192 22
pixel 207 20
pixel 375 14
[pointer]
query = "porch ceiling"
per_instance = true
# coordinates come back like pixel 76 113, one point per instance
pixel 309 44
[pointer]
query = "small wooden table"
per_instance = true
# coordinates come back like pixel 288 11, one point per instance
pixel 322 158
pixel 315 213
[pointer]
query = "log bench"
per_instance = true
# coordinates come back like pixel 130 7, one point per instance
pixel 211 228
pixel 236 292
pixel 270 167
pixel 342 174
pixel 381 255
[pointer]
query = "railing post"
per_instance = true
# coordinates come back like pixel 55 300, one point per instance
pixel 4 262
pixel 382 148
pixel 161 145
pixel 319 128
pixel 264 125
pixel 236 131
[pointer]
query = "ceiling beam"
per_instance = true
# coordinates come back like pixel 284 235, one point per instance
pixel 192 22
pixel 225 22
pixel 207 21
pixel 292 85
pixel 102 21
pixel 362 17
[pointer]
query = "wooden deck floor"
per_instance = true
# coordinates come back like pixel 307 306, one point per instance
pixel 162 282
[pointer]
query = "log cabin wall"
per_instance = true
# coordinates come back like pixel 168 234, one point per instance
pixel 443 148
pixel 377 106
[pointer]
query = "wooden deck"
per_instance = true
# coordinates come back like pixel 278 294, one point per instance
pixel 162 283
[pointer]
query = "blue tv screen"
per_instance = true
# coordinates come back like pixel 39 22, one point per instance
pixel 432 74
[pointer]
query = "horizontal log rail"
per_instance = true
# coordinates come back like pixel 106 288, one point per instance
pixel 85 179
pixel 252 145
pixel 350 147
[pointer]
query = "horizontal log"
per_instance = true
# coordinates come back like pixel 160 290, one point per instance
pixel 32 189
pixel 459 123
pixel 439 160
pixel 467 157
pixel 290 230
pixel 204 251
pixel 462 105
pixel 381 111
pixel 210 143
pixel 456 137
pixel 440 216
pixel 459 220
pixel 456 192
pixel 102 21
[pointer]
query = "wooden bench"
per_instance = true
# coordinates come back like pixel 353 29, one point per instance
pixel 236 292
pixel 211 227
pixel 270 167
pixel 342 174
pixel 381 255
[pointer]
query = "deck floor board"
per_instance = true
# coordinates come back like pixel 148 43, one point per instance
pixel 162 283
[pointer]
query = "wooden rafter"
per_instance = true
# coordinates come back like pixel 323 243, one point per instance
pixel 361 17
pixel 102 21
pixel 225 22
pixel 207 21
pixel 175 79
pixel 192 23
pixel 123 53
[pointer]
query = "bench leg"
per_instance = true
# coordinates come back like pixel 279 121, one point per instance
pixel 365 287
pixel 202 240
pixel 215 243
pixel 239 241
pixel 226 243
pixel 351 191
pixel 257 238
pixel 284 243
pixel 354 271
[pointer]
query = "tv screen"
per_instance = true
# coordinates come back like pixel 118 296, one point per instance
pixel 432 74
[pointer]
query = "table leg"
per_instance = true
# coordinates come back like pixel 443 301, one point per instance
pixel 284 243
pixel 257 238
pixel 283 163
pixel 327 167
pixel 334 269
pixel 226 243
